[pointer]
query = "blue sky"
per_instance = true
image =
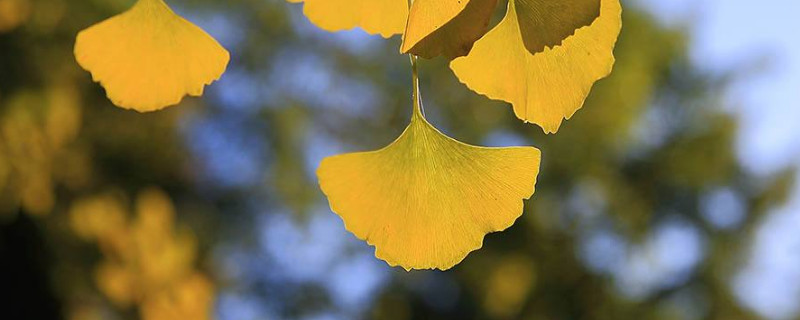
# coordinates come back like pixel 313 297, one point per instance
pixel 758 38
pixel 741 35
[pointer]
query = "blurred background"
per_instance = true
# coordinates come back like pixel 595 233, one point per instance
pixel 670 195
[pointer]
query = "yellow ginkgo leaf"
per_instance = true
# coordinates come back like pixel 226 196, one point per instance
pixel 546 23
pixel 426 200
pixel 549 86
pixel 448 28
pixel 384 17
pixel 148 57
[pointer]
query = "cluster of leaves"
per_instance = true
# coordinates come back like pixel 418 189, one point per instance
pixel 543 58
pixel 426 200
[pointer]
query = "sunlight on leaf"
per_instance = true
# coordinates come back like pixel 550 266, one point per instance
pixel 427 200
pixel 384 17
pixel 549 86
pixel 148 57
pixel 447 28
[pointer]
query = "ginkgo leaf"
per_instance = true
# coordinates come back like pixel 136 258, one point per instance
pixel 384 17
pixel 427 200
pixel 448 28
pixel 546 23
pixel 549 86
pixel 148 57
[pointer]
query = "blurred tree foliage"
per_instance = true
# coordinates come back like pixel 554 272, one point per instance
pixel 648 147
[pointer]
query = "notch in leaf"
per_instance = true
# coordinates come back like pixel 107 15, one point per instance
pixel 545 87
pixel 546 23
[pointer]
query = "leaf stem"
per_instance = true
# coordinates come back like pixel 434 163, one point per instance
pixel 418 110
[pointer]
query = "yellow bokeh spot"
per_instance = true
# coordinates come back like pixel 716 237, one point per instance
pixel 37 193
pixel 384 17
pixel 97 217
pixel 148 262
pixel 63 119
pixel 148 57
pixel 85 311
pixel 427 200
pixel 13 13
pixel 508 286
pixel 191 298
pixel 549 86
pixel 35 129
pixel 117 282
pixel 446 28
